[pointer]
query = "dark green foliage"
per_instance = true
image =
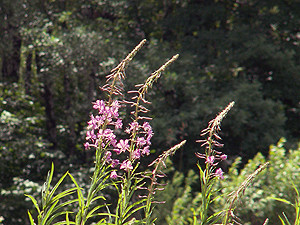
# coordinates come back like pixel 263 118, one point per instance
pixel 23 150
pixel 22 143
pixel 255 122
pixel 230 50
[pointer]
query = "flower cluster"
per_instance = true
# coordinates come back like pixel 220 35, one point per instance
pixel 213 160
pixel 101 134
pixel 98 133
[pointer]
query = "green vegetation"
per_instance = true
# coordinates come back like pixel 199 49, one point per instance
pixel 55 54
pixel 273 193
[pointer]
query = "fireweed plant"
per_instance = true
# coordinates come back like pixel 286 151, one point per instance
pixel 210 173
pixel 212 157
pixel 116 160
pixel 119 149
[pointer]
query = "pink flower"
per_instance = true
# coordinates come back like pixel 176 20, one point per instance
pixel 146 151
pixel 223 157
pixel 210 160
pixel 115 104
pixel 113 142
pixel 134 126
pixel 126 165
pixel 127 130
pixel 118 124
pixel 114 163
pixel 219 173
pixel 117 150
pixel 147 126
pixel 113 175
pixel 99 120
pixel 87 145
pixel 107 156
pixel 148 139
pixel 109 135
pixel 100 134
pixel 123 145
pixel 114 110
pixel 90 135
pixel 108 114
pixel 100 105
pixel 92 124
pixel 140 141
pixel 137 154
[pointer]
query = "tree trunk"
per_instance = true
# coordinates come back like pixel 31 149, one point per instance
pixel 47 95
pixel 11 61
pixel 50 116
pixel 27 77
pixel 71 140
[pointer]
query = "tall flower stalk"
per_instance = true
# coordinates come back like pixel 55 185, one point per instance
pixel 101 136
pixel 138 144
pixel 235 196
pixel 156 173
pixel 116 158
pixel 210 173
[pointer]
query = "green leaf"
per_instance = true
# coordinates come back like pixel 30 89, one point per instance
pixel 48 213
pixel 55 216
pixel 103 222
pixel 34 202
pixel 202 175
pixel 30 218
pixel 102 184
pixel 63 205
pixel 57 185
pixel 128 213
pixel 91 213
pixel 282 200
pixel 64 222
pixel 285 217
pixel 106 214
pixel 297 192
pixel 98 197
pixel 63 194
pixel 46 186
pixel 79 193
pixel 282 221
pixel 67 219
pixel 215 217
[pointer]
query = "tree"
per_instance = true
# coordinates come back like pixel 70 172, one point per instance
pixel 228 50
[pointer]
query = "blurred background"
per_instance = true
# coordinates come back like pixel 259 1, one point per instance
pixel 54 55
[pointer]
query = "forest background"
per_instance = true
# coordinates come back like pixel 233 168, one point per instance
pixel 55 54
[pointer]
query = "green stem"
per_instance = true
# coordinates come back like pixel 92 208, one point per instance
pixel 205 183
pixel 124 199
pixel 204 195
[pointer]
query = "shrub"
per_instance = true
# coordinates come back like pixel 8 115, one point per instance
pixel 275 181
